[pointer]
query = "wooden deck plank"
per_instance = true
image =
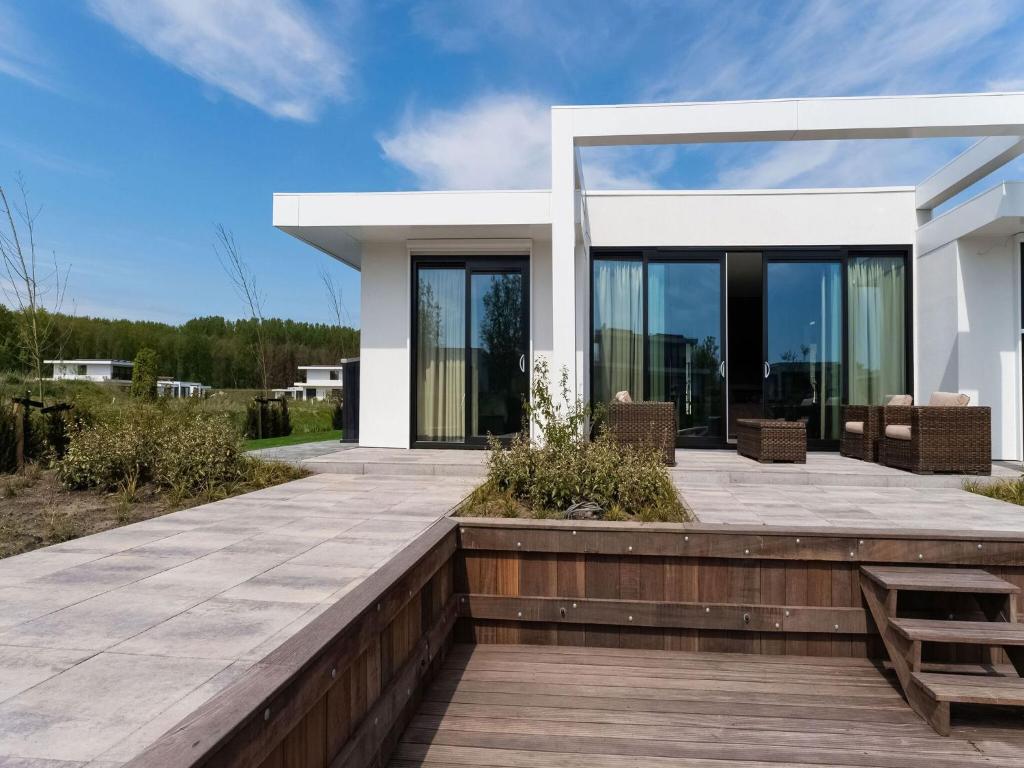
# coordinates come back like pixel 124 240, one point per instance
pixel 915 578
pixel 513 706
pixel 968 632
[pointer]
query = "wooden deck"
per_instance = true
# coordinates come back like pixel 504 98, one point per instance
pixel 520 705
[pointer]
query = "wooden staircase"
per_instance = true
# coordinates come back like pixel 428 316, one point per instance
pixel 959 591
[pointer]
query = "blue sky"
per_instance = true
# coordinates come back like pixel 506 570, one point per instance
pixel 140 124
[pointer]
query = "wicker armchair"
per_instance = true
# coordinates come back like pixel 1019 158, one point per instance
pixel 648 424
pixel 861 444
pixel 933 438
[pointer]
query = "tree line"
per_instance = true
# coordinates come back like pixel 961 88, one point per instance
pixel 214 350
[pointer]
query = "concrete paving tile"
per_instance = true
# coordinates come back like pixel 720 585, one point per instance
pixel 42 562
pixel 217 571
pixel 85 711
pixel 22 668
pixel 219 628
pixel 35 762
pixel 294 583
pixel 194 543
pixel 362 554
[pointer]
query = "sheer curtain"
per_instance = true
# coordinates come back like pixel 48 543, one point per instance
pixel 618 329
pixel 441 355
pixel 877 320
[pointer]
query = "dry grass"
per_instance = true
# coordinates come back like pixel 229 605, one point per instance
pixel 1004 490
pixel 36 510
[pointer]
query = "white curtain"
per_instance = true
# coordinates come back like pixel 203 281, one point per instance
pixel 877 321
pixel 441 355
pixel 618 329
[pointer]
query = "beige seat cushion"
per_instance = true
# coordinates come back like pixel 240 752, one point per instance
pixel 857 427
pixel 622 397
pixel 898 431
pixel 948 399
pixel 899 400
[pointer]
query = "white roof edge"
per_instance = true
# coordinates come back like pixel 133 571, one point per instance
pixel 415 192
pixel 780 191
pixel 317 367
pixel 788 100
pixel 1004 199
pixel 89 360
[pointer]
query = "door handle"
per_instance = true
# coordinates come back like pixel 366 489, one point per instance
pixel 522 363
pixel 767 369
pixel 721 369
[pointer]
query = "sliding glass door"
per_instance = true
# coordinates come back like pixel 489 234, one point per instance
pixel 803 365
pixel 686 366
pixel 470 329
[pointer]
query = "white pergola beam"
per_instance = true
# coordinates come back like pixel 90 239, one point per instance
pixel 965 169
pixel 882 117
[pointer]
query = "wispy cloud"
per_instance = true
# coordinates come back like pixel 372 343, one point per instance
pixel 271 54
pixel 19 52
pixel 499 141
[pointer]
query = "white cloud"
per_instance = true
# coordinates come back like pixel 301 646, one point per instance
pixel 501 141
pixel 19 56
pixel 270 54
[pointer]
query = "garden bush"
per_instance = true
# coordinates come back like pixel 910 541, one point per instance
pixel 186 451
pixel 276 421
pixel 563 471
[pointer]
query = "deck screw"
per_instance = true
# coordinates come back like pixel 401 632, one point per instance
pixel 630 548
pixel 777 625
pixel 266 714
pixel 519 614
pixel 574 605
pixel 920 556
pixel 707 610
pixel 378 606
pixel 519 543
pixel 686 538
pixel 861 541
pixel 746 551
pixel 798 541
pixel 851 553
pixel 334 673
pixel 463 599
pixel 630 618
pixel 574 533
pixel 787 613
pixel 979 546
pixel 837 627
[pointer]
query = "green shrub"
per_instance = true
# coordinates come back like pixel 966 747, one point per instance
pixel 276 421
pixel 144 373
pixel 563 468
pixel 186 451
pixel 337 414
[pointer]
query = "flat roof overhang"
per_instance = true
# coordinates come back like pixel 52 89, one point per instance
pixel 339 224
pixel 998 212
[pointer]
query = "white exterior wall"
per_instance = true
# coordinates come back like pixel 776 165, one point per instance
pixel 752 218
pixel 969 331
pixel 93 372
pixel 318 375
pixel 384 346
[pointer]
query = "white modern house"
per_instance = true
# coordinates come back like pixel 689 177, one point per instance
pixel 166 387
pixel 91 370
pixel 319 382
pixel 729 303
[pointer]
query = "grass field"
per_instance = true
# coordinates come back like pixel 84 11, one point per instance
pixel 293 439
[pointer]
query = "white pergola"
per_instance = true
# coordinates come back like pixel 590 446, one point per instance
pixel 999 117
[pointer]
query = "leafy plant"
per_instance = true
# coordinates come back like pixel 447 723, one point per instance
pixel 144 374
pixel 546 477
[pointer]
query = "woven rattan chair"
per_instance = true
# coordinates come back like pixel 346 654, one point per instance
pixel 862 428
pixel 645 424
pixel 938 438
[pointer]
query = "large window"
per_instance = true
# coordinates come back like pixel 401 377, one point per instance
pixel 877 311
pixel 618 353
pixel 441 355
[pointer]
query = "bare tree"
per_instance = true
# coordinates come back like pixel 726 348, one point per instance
pixel 244 282
pixel 336 303
pixel 33 288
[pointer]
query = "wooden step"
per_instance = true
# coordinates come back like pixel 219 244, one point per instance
pixel 972 689
pixel 967 632
pixel 968 580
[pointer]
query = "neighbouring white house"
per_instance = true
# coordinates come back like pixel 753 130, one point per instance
pixel 729 303
pixel 166 387
pixel 319 382
pixel 92 370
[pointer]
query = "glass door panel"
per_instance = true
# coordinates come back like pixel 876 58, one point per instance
pixel 498 378
pixel 803 345
pixel 441 355
pixel 684 325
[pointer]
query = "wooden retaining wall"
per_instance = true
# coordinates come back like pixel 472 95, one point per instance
pixel 340 692
pixel 699 588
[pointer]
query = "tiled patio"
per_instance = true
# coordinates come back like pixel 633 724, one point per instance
pixel 108 640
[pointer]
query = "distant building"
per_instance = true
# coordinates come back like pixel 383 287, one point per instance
pixel 170 388
pixel 319 383
pixel 91 370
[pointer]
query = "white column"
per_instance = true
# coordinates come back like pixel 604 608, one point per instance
pixel 564 297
